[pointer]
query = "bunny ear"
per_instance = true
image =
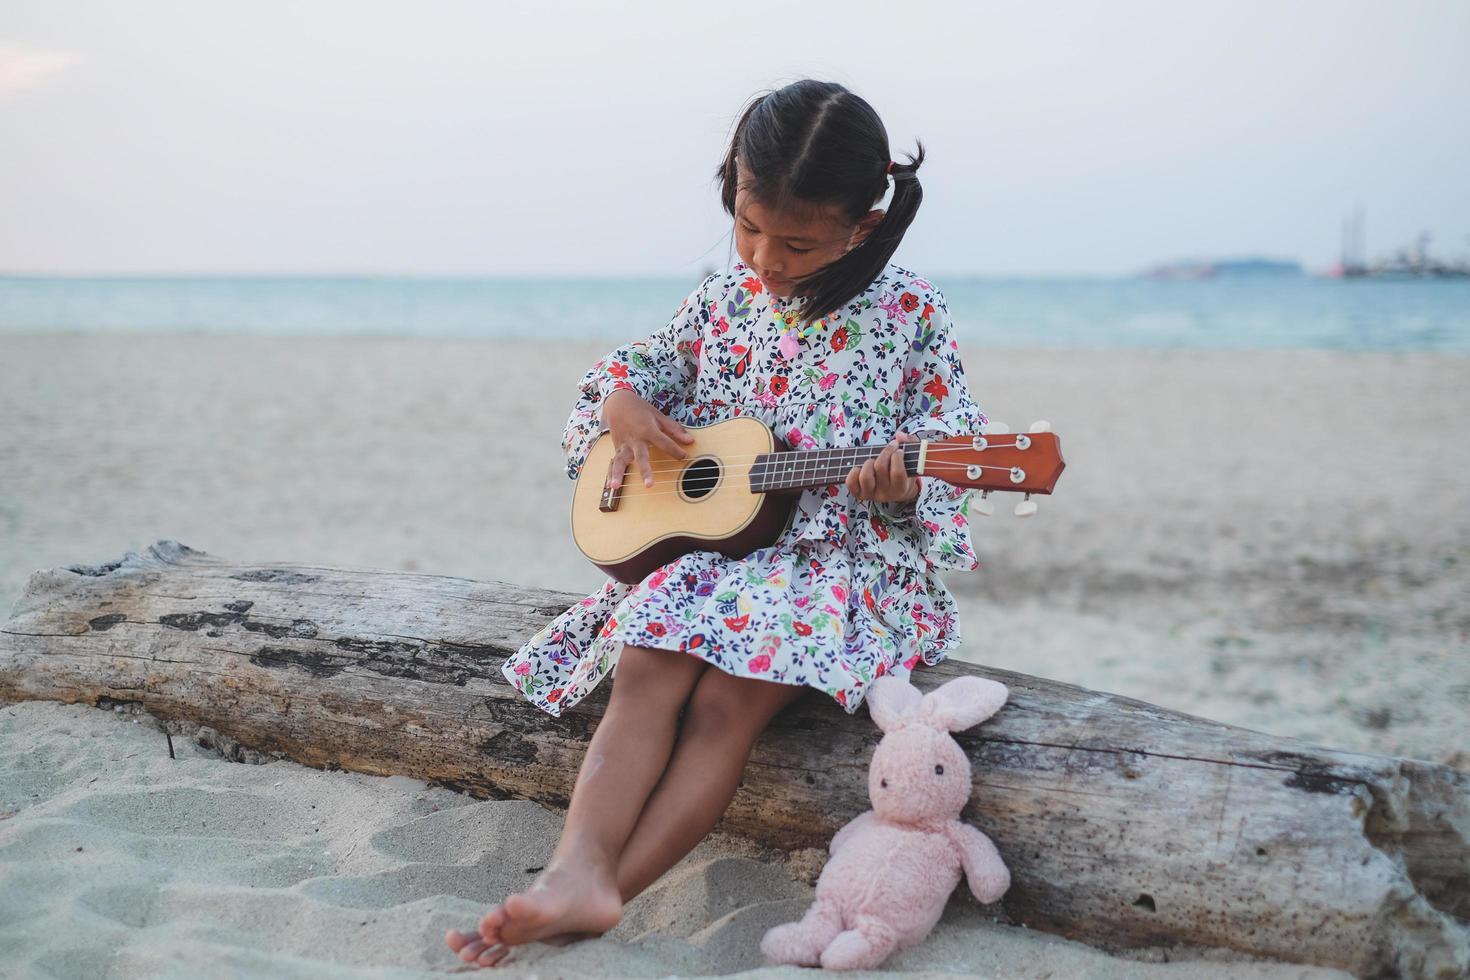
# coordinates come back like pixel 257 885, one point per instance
pixel 963 703
pixel 892 701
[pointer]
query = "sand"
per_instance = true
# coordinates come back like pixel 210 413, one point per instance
pixel 1278 540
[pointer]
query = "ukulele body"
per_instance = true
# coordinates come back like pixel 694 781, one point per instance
pixel 700 503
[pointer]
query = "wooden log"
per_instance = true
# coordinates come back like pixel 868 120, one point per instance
pixel 1123 824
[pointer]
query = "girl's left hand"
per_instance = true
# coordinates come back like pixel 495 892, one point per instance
pixel 884 478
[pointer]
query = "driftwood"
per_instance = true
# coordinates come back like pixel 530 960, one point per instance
pixel 1123 824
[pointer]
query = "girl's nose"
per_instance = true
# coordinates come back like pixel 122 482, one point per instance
pixel 763 262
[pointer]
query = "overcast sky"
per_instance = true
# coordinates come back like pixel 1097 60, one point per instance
pixel 544 138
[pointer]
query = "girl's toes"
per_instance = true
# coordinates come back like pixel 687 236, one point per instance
pixel 471 951
pixel 491 924
pixel 493 955
pixel 457 940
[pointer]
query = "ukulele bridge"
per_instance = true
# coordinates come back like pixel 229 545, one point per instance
pixel 608 502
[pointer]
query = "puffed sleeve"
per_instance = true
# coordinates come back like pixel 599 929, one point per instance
pixel 936 402
pixel 661 369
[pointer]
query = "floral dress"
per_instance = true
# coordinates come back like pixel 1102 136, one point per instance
pixel 850 591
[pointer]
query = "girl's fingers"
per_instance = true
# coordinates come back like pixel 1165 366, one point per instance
pixel 883 474
pixel 675 429
pixel 636 450
pixel 640 453
pixel 874 477
pixel 669 446
pixel 618 467
pixel 852 482
pixel 897 473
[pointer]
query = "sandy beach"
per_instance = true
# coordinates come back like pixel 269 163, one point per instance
pixel 1276 540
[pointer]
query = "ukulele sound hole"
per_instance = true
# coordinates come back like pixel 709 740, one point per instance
pixel 700 478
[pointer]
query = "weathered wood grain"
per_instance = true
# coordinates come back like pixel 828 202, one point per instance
pixel 1123 823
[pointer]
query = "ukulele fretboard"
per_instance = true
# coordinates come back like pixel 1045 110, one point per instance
pixel 818 467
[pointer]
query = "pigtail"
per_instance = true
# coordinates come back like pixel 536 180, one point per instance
pixel 839 281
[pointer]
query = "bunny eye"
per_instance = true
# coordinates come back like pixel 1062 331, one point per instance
pixel 939 770
pixel 883 783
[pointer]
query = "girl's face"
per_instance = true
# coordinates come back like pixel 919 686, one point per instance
pixel 783 247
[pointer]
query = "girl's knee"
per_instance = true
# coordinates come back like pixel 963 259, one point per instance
pixel 659 676
pixel 724 703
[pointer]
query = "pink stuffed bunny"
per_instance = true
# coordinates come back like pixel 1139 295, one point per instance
pixel 893 868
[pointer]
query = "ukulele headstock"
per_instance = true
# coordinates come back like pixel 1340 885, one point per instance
pixel 997 459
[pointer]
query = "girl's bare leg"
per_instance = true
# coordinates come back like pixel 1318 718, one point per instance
pixel 724 717
pixel 578 889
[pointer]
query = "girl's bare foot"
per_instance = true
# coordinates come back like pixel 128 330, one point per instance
pixel 563 905
pixel 575 896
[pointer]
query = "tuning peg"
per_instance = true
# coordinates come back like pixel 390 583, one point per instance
pixel 982 505
pixel 1026 508
pixel 1041 425
pixel 995 428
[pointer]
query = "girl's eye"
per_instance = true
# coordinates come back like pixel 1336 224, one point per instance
pixel 752 231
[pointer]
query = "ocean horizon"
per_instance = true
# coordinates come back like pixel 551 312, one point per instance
pixel 1245 312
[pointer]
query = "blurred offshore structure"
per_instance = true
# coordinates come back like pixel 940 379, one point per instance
pixel 1413 262
pixel 1221 268
pixel 1407 263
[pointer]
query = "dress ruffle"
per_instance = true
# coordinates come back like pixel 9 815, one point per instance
pixel 813 615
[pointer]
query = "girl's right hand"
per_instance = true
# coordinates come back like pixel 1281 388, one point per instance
pixel 635 425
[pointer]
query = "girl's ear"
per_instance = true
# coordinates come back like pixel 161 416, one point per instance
pixel 865 227
pixel 892 701
pixel 962 703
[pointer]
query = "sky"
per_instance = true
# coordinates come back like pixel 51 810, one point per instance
pixel 440 138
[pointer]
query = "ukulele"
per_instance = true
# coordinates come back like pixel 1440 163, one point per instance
pixel 736 488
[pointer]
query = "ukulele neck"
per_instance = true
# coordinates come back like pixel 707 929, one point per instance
pixel 773 472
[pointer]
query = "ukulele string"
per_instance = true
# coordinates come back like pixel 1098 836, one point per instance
pixel 701 483
pixel 933 468
pixel 933 451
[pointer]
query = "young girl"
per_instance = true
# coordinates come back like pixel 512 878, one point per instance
pixel 814 332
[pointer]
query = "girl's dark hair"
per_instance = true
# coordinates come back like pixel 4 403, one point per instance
pixel 815 143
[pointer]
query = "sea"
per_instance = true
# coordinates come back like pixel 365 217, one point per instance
pixel 1240 312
